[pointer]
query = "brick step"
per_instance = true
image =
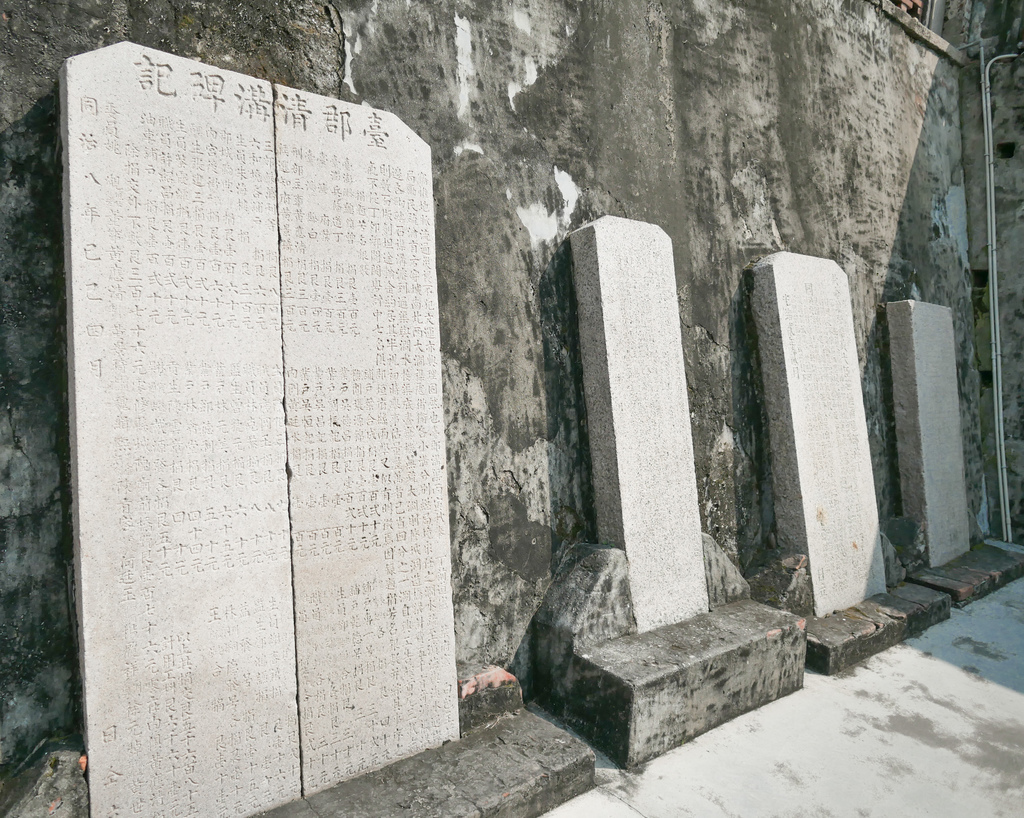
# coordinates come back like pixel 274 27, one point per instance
pixel 842 639
pixel 974 574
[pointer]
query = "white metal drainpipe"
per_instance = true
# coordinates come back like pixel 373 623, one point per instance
pixel 993 288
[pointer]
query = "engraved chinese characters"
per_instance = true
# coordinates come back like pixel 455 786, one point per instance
pixel 639 417
pixel 368 490
pixel 178 448
pixel 928 435
pixel 821 463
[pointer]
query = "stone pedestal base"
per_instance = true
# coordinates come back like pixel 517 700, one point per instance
pixel 637 696
pixel 520 768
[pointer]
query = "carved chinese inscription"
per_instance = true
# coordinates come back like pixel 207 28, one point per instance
pixel 821 462
pixel 366 452
pixel 638 414
pixel 178 450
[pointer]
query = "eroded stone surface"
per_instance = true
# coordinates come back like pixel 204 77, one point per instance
pixel 177 434
pixel 821 462
pixel 638 415
pixel 366 450
pixel 725 582
pixel 929 441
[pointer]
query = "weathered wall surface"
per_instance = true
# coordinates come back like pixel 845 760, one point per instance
pixel 739 126
pixel 1008 171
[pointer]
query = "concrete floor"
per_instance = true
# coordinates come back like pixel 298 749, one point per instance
pixel 933 727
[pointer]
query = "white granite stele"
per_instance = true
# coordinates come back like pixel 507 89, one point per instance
pixel 928 432
pixel 366 447
pixel 178 451
pixel 821 462
pixel 222 603
pixel 638 415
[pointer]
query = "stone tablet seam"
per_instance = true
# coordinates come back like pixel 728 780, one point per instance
pixel 929 435
pixel 172 80
pixel 638 415
pixel 817 426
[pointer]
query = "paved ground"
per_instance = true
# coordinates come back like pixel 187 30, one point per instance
pixel 933 727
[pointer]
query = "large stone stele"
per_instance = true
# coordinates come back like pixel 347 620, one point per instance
pixel 638 415
pixel 821 462
pixel 928 432
pixel 180 494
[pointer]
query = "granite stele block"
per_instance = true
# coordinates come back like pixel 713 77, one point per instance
pixel 257 443
pixel 638 415
pixel 366 449
pixel 821 463
pixel 928 432
pixel 177 434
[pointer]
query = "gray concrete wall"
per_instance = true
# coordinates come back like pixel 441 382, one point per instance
pixel 740 126
pixel 1008 160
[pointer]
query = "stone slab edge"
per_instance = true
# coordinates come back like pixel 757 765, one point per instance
pixel 845 638
pixel 974 575
pixel 520 768
pixel 920 32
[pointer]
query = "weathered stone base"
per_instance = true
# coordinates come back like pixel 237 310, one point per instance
pixel 841 640
pixel 54 785
pixel 521 767
pixel 974 574
pixel 637 696
pixel 485 696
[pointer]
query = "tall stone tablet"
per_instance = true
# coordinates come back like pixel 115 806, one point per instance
pixel 366 449
pixel 928 434
pixel 821 463
pixel 177 434
pixel 639 416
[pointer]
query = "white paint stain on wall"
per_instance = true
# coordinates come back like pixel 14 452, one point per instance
pixel 522 20
pixel 466 145
pixel 544 226
pixel 570 193
pixel 513 89
pixel 464 62
pixel 350 53
pixel 541 225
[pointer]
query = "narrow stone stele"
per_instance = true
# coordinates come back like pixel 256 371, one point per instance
pixel 180 496
pixel 366 449
pixel 638 415
pixel 821 462
pixel 928 432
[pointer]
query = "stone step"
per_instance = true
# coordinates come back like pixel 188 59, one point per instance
pixel 842 639
pixel 974 574
pixel 519 768
pixel 637 696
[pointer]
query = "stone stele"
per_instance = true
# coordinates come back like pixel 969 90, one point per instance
pixel 928 435
pixel 638 415
pixel 366 446
pixel 180 495
pixel 821 462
